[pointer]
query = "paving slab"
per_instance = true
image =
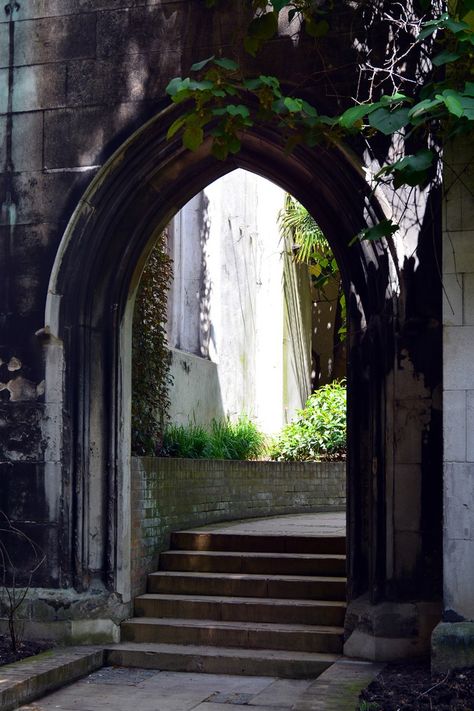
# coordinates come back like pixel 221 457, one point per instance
pixel 331 523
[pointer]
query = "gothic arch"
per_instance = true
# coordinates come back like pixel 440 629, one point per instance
pixel 88 321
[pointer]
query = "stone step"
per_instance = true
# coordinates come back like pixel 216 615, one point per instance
pixel 219 660
pixel 242 542
pixel 248 635
pixel 259 563
pixel 244 609
pixel 240 585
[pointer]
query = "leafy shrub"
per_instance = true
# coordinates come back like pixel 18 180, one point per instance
pixel 225 440
pixel 318 431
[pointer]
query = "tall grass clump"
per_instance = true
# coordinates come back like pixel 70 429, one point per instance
pixel 224 439
pixel 318 431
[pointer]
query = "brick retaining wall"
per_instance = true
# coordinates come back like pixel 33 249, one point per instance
pixel 170 494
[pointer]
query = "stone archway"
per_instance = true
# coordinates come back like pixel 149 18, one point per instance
pixel 88 325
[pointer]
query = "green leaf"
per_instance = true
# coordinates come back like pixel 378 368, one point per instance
pixel 452 102
pixel 467 103
pixel 355 113
pixel 293 105
pixel 469 87
pixel 233 144
pixel 385 228
pixel 270 81
pixel 445 57
pixel 237 110
pixel 200 85
pixel 419 161
pixel 197 66
pixel 253 83
pixel 308 109
pixel 389 99
pixel 388 122
pixel 456 26
pixel 219 149
pixel 226 64
pixel 423 106
pixel 175 126
pixel 193 137
pixel 176 85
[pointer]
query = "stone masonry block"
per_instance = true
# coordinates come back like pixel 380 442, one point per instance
pixel 459 501
pixel 39 87
pixel 468 293
pixel 54 195
pixel 4 45
pixel 33 10
pixel 28 141
pixel 453 299
pixel 458 252
pixel 459 576
pixel 140 29
pixel 3 127
pixel 470 425
pixel 3 91
pixel 454 404
pixel 458 371
pixel 79 137
pixel 407 497
pixel 55 39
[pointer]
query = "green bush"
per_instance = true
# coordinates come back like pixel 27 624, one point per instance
pixel 225 440
pixel 318 431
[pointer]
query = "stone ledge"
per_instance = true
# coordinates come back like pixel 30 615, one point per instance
pixel 452 646
pixel 29 679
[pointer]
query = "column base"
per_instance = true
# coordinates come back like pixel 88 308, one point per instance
pixel 389 630
pixel 452 646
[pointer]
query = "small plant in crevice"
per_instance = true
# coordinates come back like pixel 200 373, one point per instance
pixel 224 439
pixel 150 356
pixel 318 431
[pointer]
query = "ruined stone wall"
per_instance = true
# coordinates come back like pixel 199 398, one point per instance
pixel 77 80
pixel 172 494
pixel 454 639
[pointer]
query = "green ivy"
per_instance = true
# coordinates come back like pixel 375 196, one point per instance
pixel 226 101
pixel 150 356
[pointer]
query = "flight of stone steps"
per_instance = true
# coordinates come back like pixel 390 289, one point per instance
pixel 263 605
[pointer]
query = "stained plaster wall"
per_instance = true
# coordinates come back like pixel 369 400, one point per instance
pixel 77 78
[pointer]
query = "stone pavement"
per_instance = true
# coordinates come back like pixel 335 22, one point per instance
pixel 308 524
pixel 124 689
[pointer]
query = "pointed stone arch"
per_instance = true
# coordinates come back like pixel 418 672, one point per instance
pixel 88 332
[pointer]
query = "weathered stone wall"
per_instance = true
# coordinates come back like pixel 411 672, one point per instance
pixel 77 80
pixel 171 494
pixel 454 639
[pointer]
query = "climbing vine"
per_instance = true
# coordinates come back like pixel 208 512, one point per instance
pixel 150 356
pixel 438 104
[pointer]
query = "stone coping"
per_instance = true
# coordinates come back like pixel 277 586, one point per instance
pixel 33 677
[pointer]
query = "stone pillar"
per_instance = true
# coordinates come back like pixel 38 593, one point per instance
pixel 453 639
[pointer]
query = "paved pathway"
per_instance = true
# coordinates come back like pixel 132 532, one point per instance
pixel 310 524
pixel 121 689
